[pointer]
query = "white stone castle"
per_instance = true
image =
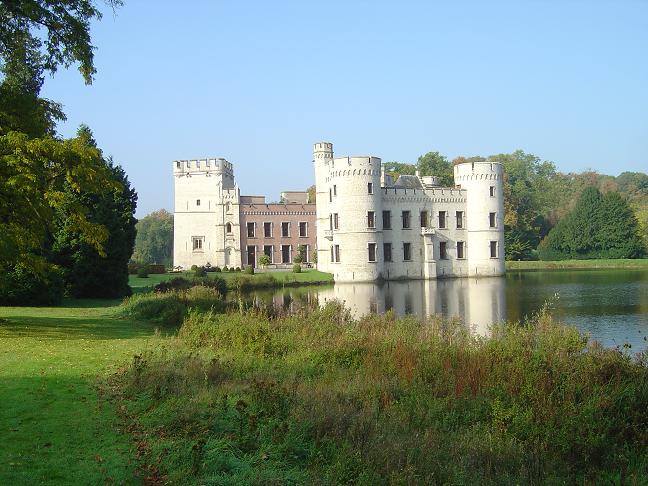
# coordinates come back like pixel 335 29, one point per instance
pixel 368 226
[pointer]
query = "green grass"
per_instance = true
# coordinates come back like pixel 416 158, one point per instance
pixel 306 277
pixel 577 264
pixel 55 427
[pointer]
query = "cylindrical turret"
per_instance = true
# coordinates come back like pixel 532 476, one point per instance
pixel 357 230
pixel 483 182
pixel 322 159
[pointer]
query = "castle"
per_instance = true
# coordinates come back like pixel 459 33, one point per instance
pixel 364 226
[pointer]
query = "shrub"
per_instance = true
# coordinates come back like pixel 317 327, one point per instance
pixel 200 272
pixel 20 287
pixel 237 269
pixel 176 283
pixel 264 260
pixel 249 270
pixel 156 269
pixel 231 269
pixel 142 272
pixel 217 269
pixel 164 307
pixel 297 268
pixel 225 269
pixel 216 283
pixel 194 268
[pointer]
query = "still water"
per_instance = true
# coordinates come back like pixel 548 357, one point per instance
pixel 609 305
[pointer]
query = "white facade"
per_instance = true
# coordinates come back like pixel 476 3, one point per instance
pixel 371 228
pixel 206 219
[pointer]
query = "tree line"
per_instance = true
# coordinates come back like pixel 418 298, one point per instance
pixel 67 210
pixel 538 197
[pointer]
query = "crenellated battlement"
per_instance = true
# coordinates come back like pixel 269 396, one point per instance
pixel 216 164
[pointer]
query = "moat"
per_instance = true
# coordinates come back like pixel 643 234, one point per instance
pixel 610 305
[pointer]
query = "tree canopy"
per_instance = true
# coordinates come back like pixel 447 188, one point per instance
pixel 154 241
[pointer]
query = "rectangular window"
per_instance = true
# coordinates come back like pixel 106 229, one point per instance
pixel 493 249
pixel 330 195
pixel 337 253
pixel 371 219
pixel 251 256
pixel 178 164
pixel 251 227
pixel 461 250
pixel 267 250
pixel 459 215
pixel 303 229
pixel 334 190
pixel 386 220
pixel 332 255
pixel 387 252
pixel 306 255
pixel 443 250
pixel 336 221
pixel 197 243
pixel 424 219
pixel 285 230
pixel 372 252
pixel 491 219
pixel 442 219
pixel 406 219
pixel 330 221
pixel 285 253
pixel 197 202
pixel 370 188
pixel 407 252
pixel 267 230
pixel 492 191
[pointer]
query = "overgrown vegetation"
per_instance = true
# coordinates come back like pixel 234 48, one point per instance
pixel 317 397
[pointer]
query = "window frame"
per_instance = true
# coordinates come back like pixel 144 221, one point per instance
pixel 266 225
pixel 406 216
pixel 493 248
pixel 387 255
pixel 462 245
pixel 305 223
pixel 388 219
pixel 443 218
pixel 407 245
pixel 370 188
pixel 443 250
pixel 287 233
pixel 371 219
pixel 492 220
pixel 459 219
pixel 247 229
pixel 371 245
pixel 421 219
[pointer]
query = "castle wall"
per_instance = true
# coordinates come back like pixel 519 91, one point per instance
pixel 277 214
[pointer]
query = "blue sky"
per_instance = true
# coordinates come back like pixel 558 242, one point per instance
pixel 260 82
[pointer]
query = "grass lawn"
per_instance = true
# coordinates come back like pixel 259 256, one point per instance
pixel 307 277
pixel 577 264
pixel 54 426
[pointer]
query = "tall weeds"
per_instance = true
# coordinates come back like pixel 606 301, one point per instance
pixel 316 397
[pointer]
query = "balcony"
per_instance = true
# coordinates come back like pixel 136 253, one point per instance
pixel 328 234
pixel 427 231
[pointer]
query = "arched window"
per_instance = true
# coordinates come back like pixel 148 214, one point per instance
pixel 228 228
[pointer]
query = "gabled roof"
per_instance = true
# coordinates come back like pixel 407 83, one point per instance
pixel 408 182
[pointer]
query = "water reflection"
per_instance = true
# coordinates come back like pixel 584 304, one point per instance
pixel 609 305
pixel 477 302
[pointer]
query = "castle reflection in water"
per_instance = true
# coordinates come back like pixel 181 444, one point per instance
pixel 478 302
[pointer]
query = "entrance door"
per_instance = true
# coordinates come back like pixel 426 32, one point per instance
pixel 251 255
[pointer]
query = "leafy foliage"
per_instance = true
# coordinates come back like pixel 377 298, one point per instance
pixel 154 240
pixel 600 226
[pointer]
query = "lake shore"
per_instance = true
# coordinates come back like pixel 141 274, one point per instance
pixel 576 264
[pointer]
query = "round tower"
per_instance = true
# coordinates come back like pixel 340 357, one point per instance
pixel 322 159
pixel 356 245
pixel 483 183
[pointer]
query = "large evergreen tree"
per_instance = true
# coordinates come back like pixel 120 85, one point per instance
pixel 600 226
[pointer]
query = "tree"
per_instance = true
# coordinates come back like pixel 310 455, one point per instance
pixel 55 32
pixel 435 164
pixel 600 226
pixel 87 272
pixel 264 260
pixel 312 194
pixel 154 241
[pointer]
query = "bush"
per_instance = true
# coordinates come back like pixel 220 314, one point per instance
pixel 176 283
pixel 200 272
pixel 215 269
pixel 297 268
pixel 237 269
pixel 216 283
pixel 249 270
pixel 231 269
pixel 21 287
pixel 142 272
pixel 225 269
pixel 156 269
pixel 264 260
pixel 194 268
